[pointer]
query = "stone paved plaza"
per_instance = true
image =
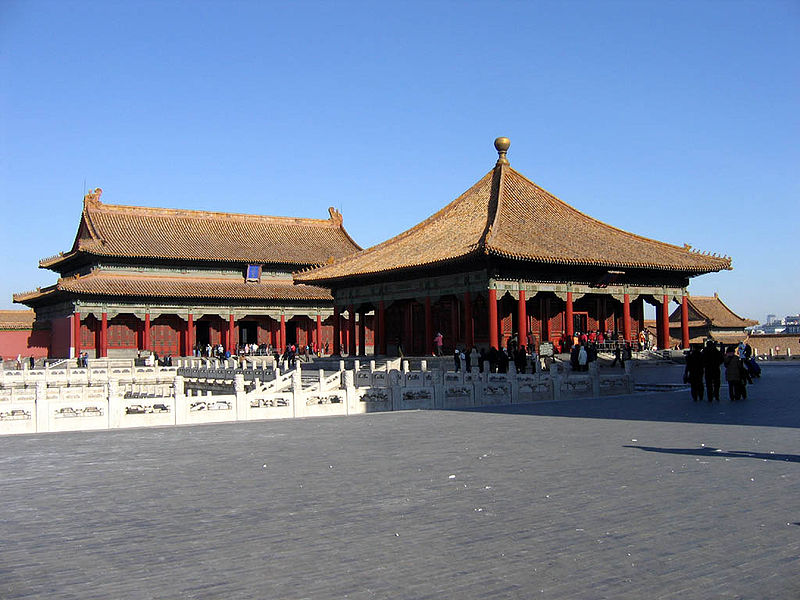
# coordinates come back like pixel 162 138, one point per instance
pixel 646 497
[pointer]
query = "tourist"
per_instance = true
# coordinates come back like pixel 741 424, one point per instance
pixel 457 359
pixel 712 359
pixel 534 360
pixel 32 362
pixel 734 375
pixel 502 361
pixel 438 342
pixel 520 359
pixel 573 358
pixel 492 357
pixel 583 358
pixel 617 356
pixel 693 373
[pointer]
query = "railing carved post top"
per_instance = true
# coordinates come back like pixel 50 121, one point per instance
pixel 349 379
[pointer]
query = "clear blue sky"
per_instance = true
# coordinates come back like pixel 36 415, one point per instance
pixel 679 121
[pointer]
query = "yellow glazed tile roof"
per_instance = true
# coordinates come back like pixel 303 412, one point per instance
pixel 160 233
pixel 100 283
pixel 506 214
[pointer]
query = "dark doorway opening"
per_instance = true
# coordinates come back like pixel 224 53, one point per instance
pixel 248 332
pixel 203 333
pixel 291 333
pixel 580 322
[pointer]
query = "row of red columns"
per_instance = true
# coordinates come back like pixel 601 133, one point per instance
pixel 663 326
pixel 569 328
pixel 103 349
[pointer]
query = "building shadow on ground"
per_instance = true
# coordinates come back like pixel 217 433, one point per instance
pixel 774 410
pixel 717 453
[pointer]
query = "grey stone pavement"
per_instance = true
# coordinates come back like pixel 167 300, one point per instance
pixel 648 496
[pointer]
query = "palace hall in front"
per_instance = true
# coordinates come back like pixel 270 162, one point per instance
pixel 505 258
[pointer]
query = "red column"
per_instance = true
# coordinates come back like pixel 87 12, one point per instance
pixel 190 335
pixel 76 329
pixel 231 334
pixel 493 341
pixel 351 331
pixel 337 332
pixel 468 330
pixel 685 322
pixel 626 317
pixel 544 311
pixel 665 321
pixel 104 336
pixel 146 334
pixel 381 328
pixel 522 319
pixel 319 332
pixel 569 321
pixel 428 327
pixel 362 334
pixel 282 335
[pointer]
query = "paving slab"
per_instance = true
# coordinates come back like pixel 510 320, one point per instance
pixel 644 496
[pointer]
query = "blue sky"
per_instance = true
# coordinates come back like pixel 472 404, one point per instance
pixel 679 121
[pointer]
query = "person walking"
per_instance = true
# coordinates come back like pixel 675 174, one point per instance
pixel 438 342
pixel 712 359
pixel 693 374
pixel 457 357
pixel 583 358
pixel 734 375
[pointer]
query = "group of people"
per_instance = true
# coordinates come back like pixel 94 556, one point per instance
pixel 218 350
pixel 498 360
pixel 704 366
pixel 603 341
pixel 31 362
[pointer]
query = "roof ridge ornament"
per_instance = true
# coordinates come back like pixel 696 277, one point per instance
pixel 93 197
pixel 336 216
pixel 502 144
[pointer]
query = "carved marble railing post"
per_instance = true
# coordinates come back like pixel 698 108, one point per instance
pixel 371 366
pixel 405 366
pixel 556 379
pixel 341 365
pixel 179 395
pixel 321 375
pixel 115 404
pixel 298 402
pixel 486 368
pixel 242 405
pixel 356 365
pixel 42 407
pixel 513 381
pixel 423 365
pixel 350 396
pixel 594 374
pixel 393 383
pixel 629 375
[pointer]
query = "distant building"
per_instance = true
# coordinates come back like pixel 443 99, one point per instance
pixel 166 280
pixel 710 319
pixel 20 335
pixel 508 260
pixel 792 324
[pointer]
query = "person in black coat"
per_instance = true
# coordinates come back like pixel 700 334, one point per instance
pixel 712 359
pixel 693 374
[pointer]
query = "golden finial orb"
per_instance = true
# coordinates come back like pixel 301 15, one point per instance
pixel 502 145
